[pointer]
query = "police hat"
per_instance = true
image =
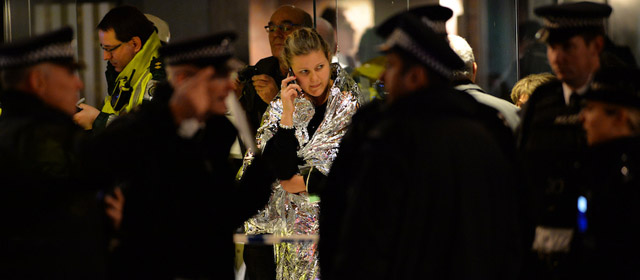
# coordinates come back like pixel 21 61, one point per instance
pixel 203 51
pixel 412 36
pixel 435 16
pixel 561 22
pixel 616 85
pixel 54 47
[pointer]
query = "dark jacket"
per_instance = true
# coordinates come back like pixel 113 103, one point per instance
pixel 181 203
pixel 423 188
pixel 251 102
pixel 51 220
pixel 607 240
pixel 551 142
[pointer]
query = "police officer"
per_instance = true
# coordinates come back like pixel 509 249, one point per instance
pixel 130 44
pixel 181 206
pixel 607 239
pixel 401 214
pixel 551 138
pixel 50 219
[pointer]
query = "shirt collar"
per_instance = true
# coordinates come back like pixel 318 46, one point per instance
pixel 566 90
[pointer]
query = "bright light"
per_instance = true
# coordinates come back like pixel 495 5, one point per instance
pixel 582 204
pixel 458 9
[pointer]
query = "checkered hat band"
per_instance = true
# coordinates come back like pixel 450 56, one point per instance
pixel 223 49
pixel 53 51
pixel 400 38
pixel 559 22
pixel 438 27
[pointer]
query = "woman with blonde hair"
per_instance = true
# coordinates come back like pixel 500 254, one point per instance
pixel 525 87
pixel 299 137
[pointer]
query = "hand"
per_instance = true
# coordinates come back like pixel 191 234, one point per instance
pixel 294 185
pixel 288 96
pixel 86 117
pixel 191 98
pixel 114 206
pixel 265 86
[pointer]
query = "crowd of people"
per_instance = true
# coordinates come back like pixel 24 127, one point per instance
pixel 437 179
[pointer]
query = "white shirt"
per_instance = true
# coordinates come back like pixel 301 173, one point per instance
pixel 580 91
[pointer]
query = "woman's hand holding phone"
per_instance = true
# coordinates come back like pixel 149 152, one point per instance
pixel 289 90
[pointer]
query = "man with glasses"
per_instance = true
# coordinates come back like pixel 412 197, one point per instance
pixel 259 83
pixel 129 43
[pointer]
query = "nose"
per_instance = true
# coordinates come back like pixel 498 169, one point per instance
pixel 313 78
pixel 106 55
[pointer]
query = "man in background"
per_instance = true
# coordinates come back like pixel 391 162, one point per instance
pixel 260 83
pixel 464 80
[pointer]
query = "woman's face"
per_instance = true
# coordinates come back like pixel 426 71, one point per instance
pixel 598 122
pixel 312 72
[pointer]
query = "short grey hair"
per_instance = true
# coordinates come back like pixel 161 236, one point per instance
pixel 460 46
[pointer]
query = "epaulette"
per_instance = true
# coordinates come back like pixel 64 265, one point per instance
pixel 157 69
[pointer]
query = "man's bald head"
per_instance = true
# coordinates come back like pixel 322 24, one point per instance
pixel 283 16
pixel 327 33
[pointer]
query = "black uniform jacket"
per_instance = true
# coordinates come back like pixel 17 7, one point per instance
pixel 551 143
pixel 51 220
pixel 423 188
pixel 607 241
pixel 181 201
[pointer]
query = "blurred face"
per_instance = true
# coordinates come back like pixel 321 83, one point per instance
pixel 284 18
pixel 60 88
pixel 574 60
pixel 118 53
pixel 393 76
pixel 218 86
pixel 598 121
pixel 313 72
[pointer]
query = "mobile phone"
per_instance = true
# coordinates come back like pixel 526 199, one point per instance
pixel 291 75
pixel 293 81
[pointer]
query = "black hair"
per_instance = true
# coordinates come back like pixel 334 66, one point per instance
pixel 127 22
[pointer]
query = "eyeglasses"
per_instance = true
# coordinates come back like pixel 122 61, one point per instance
pixel 111 49
pixel 285 27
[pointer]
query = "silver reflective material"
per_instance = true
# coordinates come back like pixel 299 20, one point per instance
pixel 287 213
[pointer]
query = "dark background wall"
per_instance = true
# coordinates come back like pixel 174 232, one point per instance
pixel 192 18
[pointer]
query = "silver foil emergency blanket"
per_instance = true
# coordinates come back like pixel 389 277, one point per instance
pixel 293 214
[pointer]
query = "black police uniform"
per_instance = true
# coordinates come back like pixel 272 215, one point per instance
pixel 181 203
pixel 51 219
pixel 552 142
pixel 608 231
pixel 445 208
